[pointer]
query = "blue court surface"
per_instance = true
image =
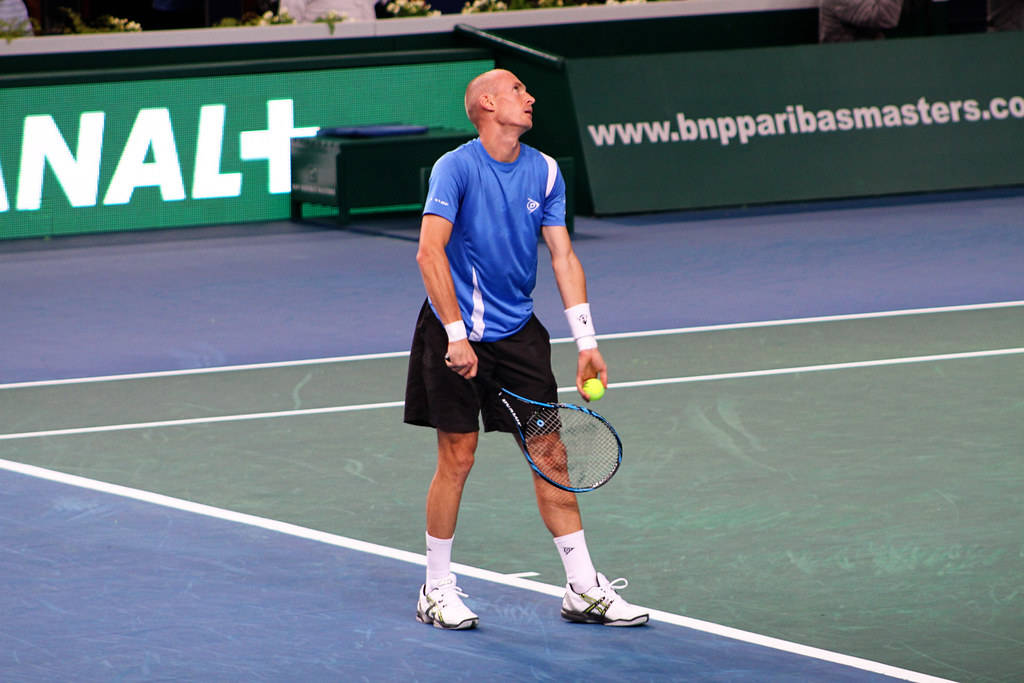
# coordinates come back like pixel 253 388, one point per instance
pixel 103 587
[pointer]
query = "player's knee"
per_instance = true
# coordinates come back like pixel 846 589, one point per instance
pixel 455 466
pixel 456 454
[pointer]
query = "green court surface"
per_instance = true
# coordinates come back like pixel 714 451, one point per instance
pixel 854 484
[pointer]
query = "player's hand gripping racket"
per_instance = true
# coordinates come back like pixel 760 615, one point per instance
pixel 568 446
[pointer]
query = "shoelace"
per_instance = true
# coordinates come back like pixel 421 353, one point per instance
pixel 616 585
pixel 445 589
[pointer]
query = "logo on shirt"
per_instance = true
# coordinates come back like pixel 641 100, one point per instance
pixel 532 205
pixel 439 201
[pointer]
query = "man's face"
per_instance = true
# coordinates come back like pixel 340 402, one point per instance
pixel 512 103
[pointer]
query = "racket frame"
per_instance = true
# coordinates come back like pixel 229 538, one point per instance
pixel 569 406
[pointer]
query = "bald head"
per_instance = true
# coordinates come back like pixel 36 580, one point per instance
pixel 485 84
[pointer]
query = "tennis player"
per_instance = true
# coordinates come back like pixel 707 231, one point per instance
pixel 488 203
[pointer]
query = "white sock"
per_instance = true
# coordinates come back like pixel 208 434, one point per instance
pixel 439 559
pixel 579 570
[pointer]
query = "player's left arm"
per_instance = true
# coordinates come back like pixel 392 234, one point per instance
pixel 572 285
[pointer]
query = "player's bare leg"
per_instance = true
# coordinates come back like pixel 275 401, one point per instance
pixel 455 456
pixel 558 508
pixel 440 599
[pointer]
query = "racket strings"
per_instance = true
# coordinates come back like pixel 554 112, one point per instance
pixel 570 447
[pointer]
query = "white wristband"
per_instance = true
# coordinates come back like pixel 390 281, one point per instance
pixel 456 331
pixel 581 324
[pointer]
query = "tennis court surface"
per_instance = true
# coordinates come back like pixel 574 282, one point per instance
pixel 825 491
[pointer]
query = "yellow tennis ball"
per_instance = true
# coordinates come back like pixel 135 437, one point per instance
pixel 594 389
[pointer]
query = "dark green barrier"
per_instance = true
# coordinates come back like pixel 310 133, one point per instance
pixel 91 157
pixel 702 129
pixel 672 34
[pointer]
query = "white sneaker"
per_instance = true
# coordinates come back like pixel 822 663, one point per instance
pixel 442 606
pixel 602 605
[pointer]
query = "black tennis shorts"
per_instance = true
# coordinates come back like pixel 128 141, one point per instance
pixel 436 396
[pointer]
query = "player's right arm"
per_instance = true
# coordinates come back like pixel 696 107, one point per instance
pixel 435 232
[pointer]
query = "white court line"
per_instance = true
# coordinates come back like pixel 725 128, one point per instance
pixel 203 371
pixel 561 340
pixel 395 404
pixel 465 570
pixel 813 368
pixel 202 420
pixel 804 321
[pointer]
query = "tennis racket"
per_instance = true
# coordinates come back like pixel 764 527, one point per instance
pixel 568 446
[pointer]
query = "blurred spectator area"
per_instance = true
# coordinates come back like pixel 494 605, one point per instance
pixel 966 16
pixel 959 16
pixel 167 14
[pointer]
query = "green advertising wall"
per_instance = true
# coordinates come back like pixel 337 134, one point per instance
pixel 775 119
pixel 747 126
pixel 130 155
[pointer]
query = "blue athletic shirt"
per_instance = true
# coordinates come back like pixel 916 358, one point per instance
pixel 496 210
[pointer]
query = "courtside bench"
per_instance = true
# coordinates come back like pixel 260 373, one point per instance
pixel 384 172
